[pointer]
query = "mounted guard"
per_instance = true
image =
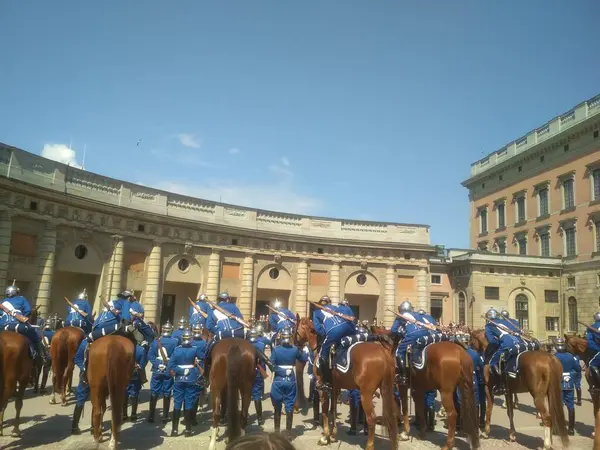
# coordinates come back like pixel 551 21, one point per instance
pixel 592 336
pixel 279 319
pixel 199 311
pixel 79 313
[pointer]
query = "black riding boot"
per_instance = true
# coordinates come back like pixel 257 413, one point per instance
pixel 166 406
pixel 401 377
pixel 258 406
pixel 316 404
pixel 188 422
pixel 153 400
pixel 430 416
pixel 572 422
pixel 481 417
pixel 134 405
pixel 353 419
pixel 578 396
pixel 45 372
pixel 76 416
pixel 176 415
pixel 194 413
pixel 277 420
pixel 289 420
pixel 458 420
pixel 125 404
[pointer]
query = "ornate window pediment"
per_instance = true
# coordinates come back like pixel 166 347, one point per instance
pixel 569 222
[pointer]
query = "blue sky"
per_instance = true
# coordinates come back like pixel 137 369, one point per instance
pixel 367 110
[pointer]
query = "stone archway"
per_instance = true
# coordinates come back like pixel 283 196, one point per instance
pixel 362 289
pixel 183 278
pixel 274 283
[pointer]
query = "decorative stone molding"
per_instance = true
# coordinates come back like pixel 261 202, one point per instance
pixel 277 258
pixel 187 250
pixel 237 213
pixel 364 227
pixel 363 264
pixel 143 195
pixel 320 224
pixel 93 182
pixel 291 221
pixel 190 205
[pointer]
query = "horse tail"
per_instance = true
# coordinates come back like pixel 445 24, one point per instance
pixel 59 359
pixel 555 404
pixel 301 397
pixel 389 401
pixel 470 418
pixel 234 371
pixel 113 375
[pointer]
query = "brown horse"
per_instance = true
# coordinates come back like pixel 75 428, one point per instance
pixel 540 374
pixel 63 348
pixel 111 363
pixel 232 374
pixel 373 368
pixel 16 367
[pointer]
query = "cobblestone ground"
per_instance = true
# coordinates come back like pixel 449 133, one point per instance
pixel 47 426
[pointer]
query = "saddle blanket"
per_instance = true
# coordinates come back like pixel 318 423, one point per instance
pixel 342 359
pixel 418 357
pixel 511 364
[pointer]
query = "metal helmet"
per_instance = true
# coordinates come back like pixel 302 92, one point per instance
pixel 47 323
pixel 167 329
pixel 224 297
pixel 325 300
pixel 491 314
pixel 253 335
pixel 187 337
pixel 422 311
pixel 11 291
pixel 83 295
pixel 560 345
pixel 361 330
pixel 197 330
pixel 463 338
pixel 597 316
pixel 202 298
pixel 260 329
pixel 277 304
pixel 504 313
pixel 182 323
pixel 365 323
pixel 127 293
pixel 405 307
pixel 285 336
pixel 344 301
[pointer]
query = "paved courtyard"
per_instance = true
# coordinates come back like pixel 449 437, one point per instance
pixel 47 426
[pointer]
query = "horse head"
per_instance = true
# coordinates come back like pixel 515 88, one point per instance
pixel 478 340
pixel 577 346
pixel 305 332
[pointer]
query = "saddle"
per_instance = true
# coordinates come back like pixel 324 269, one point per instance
pixel 417 359
pixel 340 354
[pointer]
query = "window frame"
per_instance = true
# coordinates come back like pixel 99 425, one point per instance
pixel 595 178
pixel 519 239
pixel 518 219
pixel 555 321
pixel 546 291
pixel 564 181
pixel 485 291
pixel 568 229
pixel 436 275
pixel 501 206
pixel 539 201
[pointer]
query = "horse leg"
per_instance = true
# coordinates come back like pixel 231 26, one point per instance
pixel 404 403
pixel 66 377
pixel 216 407
pixel 451 417
pixel 516 402
pixel 45 373
pixel 512 433
pixel 55 387
pixel 333 414
pixel 366 400
pixel 540 404
pixel 325 439
pixel 489 404
pixel 246 398
pixel 420 412
pixel 18 406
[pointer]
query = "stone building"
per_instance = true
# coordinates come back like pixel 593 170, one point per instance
pixel 539 197
pixel 63 229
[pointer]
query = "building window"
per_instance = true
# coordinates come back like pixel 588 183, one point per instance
pixel 521 209
pixel 522 245
pixel 183 265
pixel 141 227
pixel 522 311
pixel 551 323
pixel 571 241
pixel 598 236
pixel 551 296
pixel 543 199
pixel 436 279
pixel 361 279
pixel 462 309
pixel 274 273
pixel 596 181
pixel 437 308
pixel 234 241
pixel 483 220
pixel 502 246
pixel 573 320
pixel 492 293
pixel 545 244
pixel 501 215
pixel 571 282
pixel 569 197
pixel 80 251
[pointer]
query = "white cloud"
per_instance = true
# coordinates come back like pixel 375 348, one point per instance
pixel 189 140
pixel 234 151
pixel 61 153
pixel 285 161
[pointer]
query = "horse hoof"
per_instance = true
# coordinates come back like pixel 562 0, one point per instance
pixel 16 433
pixel 512 437
pixel 332 440
pixel 484 435
pixel 323 442
pixel 52 401
pixel 403 436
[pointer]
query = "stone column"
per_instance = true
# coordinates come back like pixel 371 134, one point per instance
pixel 214 275
pixel 301 301
pixel 245 302
pixel 152 293
pixel 115 268
pixel 46 257
pixel 423 289
pixel 5 238
pixel 390 295
pixel 334 283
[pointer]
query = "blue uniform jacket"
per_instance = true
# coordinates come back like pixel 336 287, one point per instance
pixel 48 334
pixel 135 307
pixel 19 304
pixel 169 343
pixel 80 356
pixel 278 323
pixel 83 305
pixel 201 345
pixel 140 359
pixel 571 368
pixel 195 316
pixel 107 318
pixel 284 359
pixel 318 319
pixel 593 339
pixel 477 365
pixel 496 336
pixel 185 358
pixel 260 344
pixel 217 321
pixel 407 330
pixel 334 323
pixel 428 318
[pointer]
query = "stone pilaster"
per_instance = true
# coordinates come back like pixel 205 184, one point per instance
pixel 245 302
pixel 152 293
pixel 115 268
pixel 390 296
pixel 334 283
pixel 423 289
pixel 214 275
pixel 301 301
pixel 46 257
pixel 5 238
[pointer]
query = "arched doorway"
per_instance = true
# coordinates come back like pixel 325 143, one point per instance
pixel 522 311
pixel 362 291
pixel 462 309
pixel 274 284
pixel 573 319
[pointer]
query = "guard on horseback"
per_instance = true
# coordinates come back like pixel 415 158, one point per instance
pixel 14 314
pixel 593 342
pixel 283 389
pixel 260 342
pixel 571 369
pixel 80 314
pixel 197 317
pixel 336 325
pixel 182 325
pixel 279 319
pixel 161 383
pixel 184 366
pixel 136 318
